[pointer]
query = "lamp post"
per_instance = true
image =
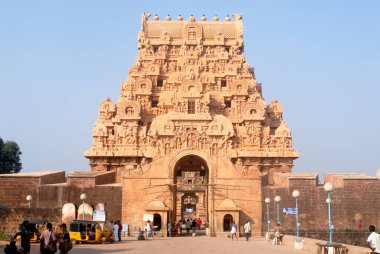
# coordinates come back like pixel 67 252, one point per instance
pixel 277 199
pixel 29 199
pixel 267 201
pixel 83 198
pixel 328 188
pixel 296 194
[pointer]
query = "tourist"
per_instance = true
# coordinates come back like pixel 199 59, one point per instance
pixel 193 225
pixel 247 229
pixel 234 230
pixel 116 231
pixel 48 244
pixel 373 240
pixel 175 229
pixel 188 225
pixel 169 229
pixel 152 228
pixel 148 229
pixel 199 223
pixel 65 244
pixel 120 229
pixel 179 227
pixel 10 248
pixel 277 234
pixel 25 236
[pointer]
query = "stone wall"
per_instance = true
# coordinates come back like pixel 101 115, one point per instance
pixel 15 187
pixel 354 201
pixel 10 220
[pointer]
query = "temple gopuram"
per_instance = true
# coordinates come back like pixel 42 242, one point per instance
pixel 191 134
pixel 190 137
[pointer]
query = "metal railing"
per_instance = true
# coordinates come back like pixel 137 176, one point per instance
pixel 346 236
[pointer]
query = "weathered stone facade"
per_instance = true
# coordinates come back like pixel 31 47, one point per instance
pixel 191 125
pixel 191 136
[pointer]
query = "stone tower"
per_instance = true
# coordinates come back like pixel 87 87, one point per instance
pixel 190 134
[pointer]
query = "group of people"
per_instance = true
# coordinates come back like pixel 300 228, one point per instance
pixel 188 225
pixel 247 230
pixel 116 228
pixel 48 240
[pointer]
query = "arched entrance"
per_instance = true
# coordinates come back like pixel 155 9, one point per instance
pixel 227 222
pixel 190 192
pixel 157 222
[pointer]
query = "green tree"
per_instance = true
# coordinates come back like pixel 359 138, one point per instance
pixel 9 157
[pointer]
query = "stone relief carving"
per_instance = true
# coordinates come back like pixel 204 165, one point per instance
pixel 140 168
pixel 191 87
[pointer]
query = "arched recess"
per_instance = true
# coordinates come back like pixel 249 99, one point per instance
pixel 192 172
pixel 227 222
pixel 205 157
pixel 157 222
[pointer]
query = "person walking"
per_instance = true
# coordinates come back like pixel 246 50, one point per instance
pixel 65 244
pixel 48 244
pixel 116 231
pixel 199 223
pixel 120 229
pixel 247 230
pixel 373 240
pixel 234 231
pixel 148 229
pixel 170 229
pixel 25 236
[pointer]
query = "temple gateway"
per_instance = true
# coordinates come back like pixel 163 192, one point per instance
pixel 191 134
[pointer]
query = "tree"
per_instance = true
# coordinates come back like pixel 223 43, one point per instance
pixel 9 157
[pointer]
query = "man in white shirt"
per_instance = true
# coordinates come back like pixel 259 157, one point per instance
pixel 373 240
pixel 247 230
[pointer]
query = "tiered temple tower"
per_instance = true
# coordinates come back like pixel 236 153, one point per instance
pixel 191 134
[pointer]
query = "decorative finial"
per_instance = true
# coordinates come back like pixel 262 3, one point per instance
pixel 192 18
pixel 156 17
pixel 168 18
pixel 203 18
pixel 215 18
pixel 228 18
pixel 180 18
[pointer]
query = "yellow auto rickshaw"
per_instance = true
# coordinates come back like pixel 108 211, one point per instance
pixel 88 231
pixel 35 228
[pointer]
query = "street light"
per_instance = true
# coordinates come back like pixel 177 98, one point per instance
pixel 267 201
pixel 29 199
pixel 83 198
pixel 296 194
pixel 329 187
pixel 378 173
pixel 278 199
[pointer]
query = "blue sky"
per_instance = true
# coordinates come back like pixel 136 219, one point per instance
pixel 60 59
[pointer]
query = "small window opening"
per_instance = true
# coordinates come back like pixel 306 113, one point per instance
pixel 160 83
pixel 191 107
pixel 154 103
pixel 224 83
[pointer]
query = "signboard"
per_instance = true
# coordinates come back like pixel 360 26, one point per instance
pixel 99 215
pixel 290 210
pixel 148 217
pixel 124 229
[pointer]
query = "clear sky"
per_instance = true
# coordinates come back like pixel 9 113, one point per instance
pixel 321 59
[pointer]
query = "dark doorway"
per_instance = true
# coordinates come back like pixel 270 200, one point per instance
pixel 157 222
pixel 227 221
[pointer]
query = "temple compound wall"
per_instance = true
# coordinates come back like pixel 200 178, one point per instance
pixel 189 136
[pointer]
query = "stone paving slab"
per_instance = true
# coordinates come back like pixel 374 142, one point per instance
pixel 183 245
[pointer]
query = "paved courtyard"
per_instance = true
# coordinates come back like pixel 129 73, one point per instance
pixel 184 245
